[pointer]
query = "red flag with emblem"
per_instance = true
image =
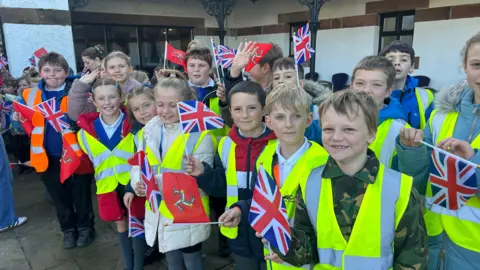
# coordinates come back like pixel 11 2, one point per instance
pixel 182 198
pixel 26 116
pixel 40 52
pixel 69 162
pixel 263 49
pixel 175 56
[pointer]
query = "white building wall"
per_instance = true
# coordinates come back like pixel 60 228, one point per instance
pixel 443 3
pixel 339 50
pixel 43 4
pixel 440 56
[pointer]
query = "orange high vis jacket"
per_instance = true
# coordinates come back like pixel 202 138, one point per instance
pixel 38 155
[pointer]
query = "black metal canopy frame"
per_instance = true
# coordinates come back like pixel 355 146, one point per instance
pixel 220 9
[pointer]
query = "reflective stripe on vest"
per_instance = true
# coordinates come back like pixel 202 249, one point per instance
pixel 215 107
pixel 173 162
pixel 384 144
pixel 424 98
pixel 460 225
pixel 315 156
pixel 32 94
pixel 380 212
pixel 111 167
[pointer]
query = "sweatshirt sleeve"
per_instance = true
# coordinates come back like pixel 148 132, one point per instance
pixel 79 100
pixel 213 181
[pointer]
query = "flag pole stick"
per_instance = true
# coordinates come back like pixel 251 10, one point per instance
pixel 450 154
pixel 215 59
pixel 271 253
pixel 5 130
pixel 298 77
pixel 165 55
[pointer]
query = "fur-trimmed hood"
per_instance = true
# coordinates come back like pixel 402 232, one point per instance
pixel 317 91
pixel 450 99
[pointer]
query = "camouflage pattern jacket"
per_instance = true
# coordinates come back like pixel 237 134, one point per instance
pixel 410 245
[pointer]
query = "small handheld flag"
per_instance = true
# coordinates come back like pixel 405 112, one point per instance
pixel 301 40
pixel 197 117
pixel 175 56
pixel 33 61
pixel 262 50
pixel 135 226
pixel 268 214
pixel 26 116
pixel 3 61
pixel 226 56
pixel 55 117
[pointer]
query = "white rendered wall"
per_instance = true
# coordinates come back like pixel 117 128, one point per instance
pixel 442 3
pixel 22 40
pixel 281 39
pixel 43 4
pixel 339 50
pixel 439 50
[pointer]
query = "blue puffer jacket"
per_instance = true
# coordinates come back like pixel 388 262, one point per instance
pixel 417 162
pixel 409 102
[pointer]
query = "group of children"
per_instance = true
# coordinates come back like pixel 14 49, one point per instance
pixel 331 155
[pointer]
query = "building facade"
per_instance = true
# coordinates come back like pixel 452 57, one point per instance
pixel 349 29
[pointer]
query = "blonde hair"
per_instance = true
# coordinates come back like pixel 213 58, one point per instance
pixel 350 103
pixel 471 41
pixel 106 82
pixel 137 91
pixel 176 83
pixel 140 76
pixel 290 97
pixel 117 54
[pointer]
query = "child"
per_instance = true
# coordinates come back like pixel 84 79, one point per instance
pixel 141 77
pixel 23 83
pixel 284 72
pixel 10 85
pixel 92 58
pixel 354 190
pixel 289 159
pixel 260 73
pixel 234 161
pixel 118 68
pixel 105 138
pixel 453 126
pixel 375 75
pixel 416 102
pixel 72 199
pixel 166 142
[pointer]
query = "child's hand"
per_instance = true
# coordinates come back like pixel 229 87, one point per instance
pixel 457 147
pixel 410 137
pixel 271 257
pixel 231 218
pixel 221 93
pixel 90 77
pixel 15 116
pixel 128 198
pixel 140 189
pixel 242 58
pixel 193 166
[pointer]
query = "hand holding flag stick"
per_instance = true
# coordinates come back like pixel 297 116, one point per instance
pixel 449 154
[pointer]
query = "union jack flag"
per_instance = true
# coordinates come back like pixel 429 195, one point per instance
pixel 268 214
pixel 453 181
pixel 6 107
pixel 152 192
pixel 225 56
pixel 215 53
pixel 135 227
pixel 196 117
pixel 3 61
pixel 301 39
pixel 53 115
pixel 32 61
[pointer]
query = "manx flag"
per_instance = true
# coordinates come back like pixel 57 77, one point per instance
pixel 175 56
pixel 453 181
pixel 26 116
pixel 262 50
pixel 182 198
pixel 197 117
pixel 301 40
pixel 268 214
pixel 152 192
pixel 69 162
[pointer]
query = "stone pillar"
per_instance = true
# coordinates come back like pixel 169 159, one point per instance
pixel 31 24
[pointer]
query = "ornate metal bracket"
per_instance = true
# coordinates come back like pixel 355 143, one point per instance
pixel 314 6
pixel 220 9
pixel 74 4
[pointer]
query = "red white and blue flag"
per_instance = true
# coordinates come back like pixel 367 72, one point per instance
pixel 33 61
pixel 301 40
pixel 6 107
pixel 152 192
pixel 55 117
pixel 135 227
pixel 268 214
pixel 215 52
pixel 453 181
pixel 3 61
pixel 196 117
pixel 225 56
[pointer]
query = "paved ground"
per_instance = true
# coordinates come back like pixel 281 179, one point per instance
pixel 37 244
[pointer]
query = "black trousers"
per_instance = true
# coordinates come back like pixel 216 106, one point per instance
pixel 72 199
pixel 22 147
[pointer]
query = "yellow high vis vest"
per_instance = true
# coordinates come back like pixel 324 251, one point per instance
pixel 424 99
pixel 371 243
pixel 111 167
pixel 314 157
pixel 384 144
pixel 215 107
pixel 462 226
pixel 173 162
pixel 226 149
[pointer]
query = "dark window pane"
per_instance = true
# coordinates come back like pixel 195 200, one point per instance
pixel 408 22
pixel 85 36
pixel 387 40
pixel 389 24
pixel 124 39
pixel 152 47
pixel 407 39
